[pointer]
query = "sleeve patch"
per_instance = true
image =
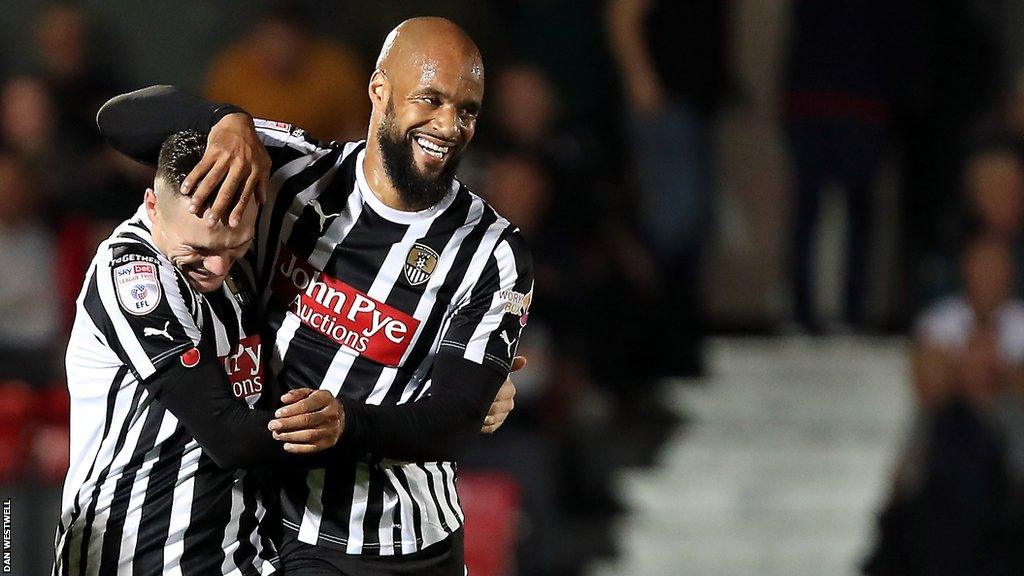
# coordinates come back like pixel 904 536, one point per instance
pixel 517 303
pixel 272 125
pixel 138 288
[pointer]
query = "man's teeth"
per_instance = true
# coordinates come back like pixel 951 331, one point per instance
pixel 431 148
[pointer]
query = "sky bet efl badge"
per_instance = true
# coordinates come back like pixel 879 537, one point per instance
pixel 138 286
pixel 419 264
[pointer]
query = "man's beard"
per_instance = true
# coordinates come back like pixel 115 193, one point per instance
pixel 416 190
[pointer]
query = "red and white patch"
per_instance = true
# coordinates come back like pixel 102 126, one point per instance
pixel 190 358
pixel 341 312
pixel 272 125
pixel 245 370
pixel 138 288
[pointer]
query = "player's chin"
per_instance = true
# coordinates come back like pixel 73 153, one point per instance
pixel 205 283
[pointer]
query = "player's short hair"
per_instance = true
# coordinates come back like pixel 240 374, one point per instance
pixel 179 155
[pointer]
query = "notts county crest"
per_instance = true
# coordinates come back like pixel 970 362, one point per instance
pixel 419 264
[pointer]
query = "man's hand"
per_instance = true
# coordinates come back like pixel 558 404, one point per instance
pixel 504 402
pixel 236 162
pixel 310 421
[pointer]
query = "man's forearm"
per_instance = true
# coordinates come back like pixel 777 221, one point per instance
pixel 438 428
pixel 137 123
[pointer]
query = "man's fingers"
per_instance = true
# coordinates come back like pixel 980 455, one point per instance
pixel 292 396
pixel 227 192
pixel 518 363
pixel 300 422
pixel 304 448
pixel 501 406
pixel 196 175
pixel 316 401
pixel 262 184
pixel 209 183
pixel 304 436
pixel 507 390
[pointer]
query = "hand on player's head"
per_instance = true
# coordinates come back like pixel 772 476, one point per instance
pixel 235 165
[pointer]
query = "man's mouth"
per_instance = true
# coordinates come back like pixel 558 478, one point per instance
pixel 431 148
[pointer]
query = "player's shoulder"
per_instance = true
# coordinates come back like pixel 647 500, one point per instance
pixel 276 133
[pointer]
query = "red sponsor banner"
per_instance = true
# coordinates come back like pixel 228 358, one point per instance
pixel 245 369
pixel 342 313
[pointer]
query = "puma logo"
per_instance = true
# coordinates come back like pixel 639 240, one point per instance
pixel 320 213
pixel 147 331
pixel 510 343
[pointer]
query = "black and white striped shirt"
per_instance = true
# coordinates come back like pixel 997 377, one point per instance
pixel 141 496
pixel 359 299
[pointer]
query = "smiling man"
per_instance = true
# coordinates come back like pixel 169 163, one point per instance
pixel 381 279
pixel 165 379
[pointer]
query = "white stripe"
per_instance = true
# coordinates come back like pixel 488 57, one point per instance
pixel 292 215
pixel 430 522
pixel 386 526
pixel 233 531
pixel 507 276
pixel 427 301
pixel 405 509
pixel 106 494
pixel 181 511
pixel 450 519
pixel 314 507
pixel 454 501
pixel 277 179
pixel 282 339
pixel 359 498
pixel 137 497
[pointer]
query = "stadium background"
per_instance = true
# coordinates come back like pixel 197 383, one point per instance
pixel 686 409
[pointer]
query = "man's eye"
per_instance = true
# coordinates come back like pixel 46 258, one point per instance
pixel 431 100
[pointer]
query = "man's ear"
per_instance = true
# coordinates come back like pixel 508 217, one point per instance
pixel 150 201
pixel 379 89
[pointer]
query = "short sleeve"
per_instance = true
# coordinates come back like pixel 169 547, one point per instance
pixel 486 329
pixel 150 316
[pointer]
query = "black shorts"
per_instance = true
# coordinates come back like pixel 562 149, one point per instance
pixel 442 559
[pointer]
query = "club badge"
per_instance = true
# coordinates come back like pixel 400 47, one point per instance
pixel 420 264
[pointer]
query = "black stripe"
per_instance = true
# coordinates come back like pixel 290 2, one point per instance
pixel 245 555
pixel 448 493
pixel 432 489
pixel 211 514
pixel 332 199
pixel 90 514
pixel 374 512
pixel 417 518
pixel 289 189
pixel 339 489
pixel 154 527
pixel 123 489
pixel 460 266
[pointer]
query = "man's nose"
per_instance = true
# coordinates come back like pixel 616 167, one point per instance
pixel 446 122
pixel 217 265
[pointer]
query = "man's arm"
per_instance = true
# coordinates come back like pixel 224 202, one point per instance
pixel 236 164
pixel 228 431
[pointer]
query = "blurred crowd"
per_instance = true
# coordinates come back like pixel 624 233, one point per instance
pixel 598 140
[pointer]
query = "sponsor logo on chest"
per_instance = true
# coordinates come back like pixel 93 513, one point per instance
pixel 342 313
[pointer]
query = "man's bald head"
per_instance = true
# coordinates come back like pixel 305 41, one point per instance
pixel 421 38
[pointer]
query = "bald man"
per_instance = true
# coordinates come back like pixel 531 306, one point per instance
pixel 382 279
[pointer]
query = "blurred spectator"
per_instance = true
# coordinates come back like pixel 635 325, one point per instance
pixel 283 70
pixel 28 301
pixel 672 60
pixel 78 85
pixel 953 510
pixel 842 82
pixel 948 77
pixel 994 196
pixel 28 129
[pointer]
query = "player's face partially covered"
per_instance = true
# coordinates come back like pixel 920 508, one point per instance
pixel 203 252
pixel 429 120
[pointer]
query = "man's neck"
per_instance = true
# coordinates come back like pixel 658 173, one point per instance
pixel 380 183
